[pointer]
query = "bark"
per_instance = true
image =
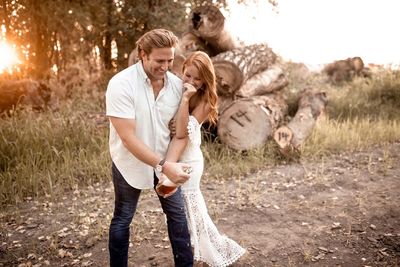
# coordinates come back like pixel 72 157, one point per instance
pixel 312 106
pixel 133 57
pixel 189 43
pixel 248 123
pixel 233 68
pixel 107 38
pixel 208 23
pixel 267 81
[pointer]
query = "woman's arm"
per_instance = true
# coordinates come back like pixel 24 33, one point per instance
pixel 178 145
pixel 182 116
pixel 176 148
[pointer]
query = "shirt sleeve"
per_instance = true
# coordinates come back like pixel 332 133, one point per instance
pixel 120 100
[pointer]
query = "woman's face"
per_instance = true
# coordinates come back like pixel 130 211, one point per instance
pixel 191 75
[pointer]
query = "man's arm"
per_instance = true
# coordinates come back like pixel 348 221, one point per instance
pixel 126 129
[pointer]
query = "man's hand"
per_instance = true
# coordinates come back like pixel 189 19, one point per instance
pixel 172 127
pixel 177 172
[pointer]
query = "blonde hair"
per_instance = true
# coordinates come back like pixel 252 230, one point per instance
pixel 203 63
pixel 157 38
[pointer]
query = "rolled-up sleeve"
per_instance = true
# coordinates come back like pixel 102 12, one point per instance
pixel 120 99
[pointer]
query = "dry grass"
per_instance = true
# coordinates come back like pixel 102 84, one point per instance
pixel 50 152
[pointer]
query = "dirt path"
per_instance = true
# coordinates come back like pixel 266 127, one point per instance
pixel 338 211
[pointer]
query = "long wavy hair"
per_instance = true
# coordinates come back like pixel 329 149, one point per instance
pixel 208 92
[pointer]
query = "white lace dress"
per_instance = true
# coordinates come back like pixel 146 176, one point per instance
pixel 209 245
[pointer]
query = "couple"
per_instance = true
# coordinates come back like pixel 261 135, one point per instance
pixel 140 102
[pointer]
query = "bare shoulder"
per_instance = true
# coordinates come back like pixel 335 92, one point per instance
pixel 201 111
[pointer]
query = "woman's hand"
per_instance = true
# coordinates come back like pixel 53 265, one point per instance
pixel 190 90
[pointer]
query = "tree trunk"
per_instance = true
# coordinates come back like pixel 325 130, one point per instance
pixel 41 43
pixel 311 106
pixel 6 21
pixel 235 67
pixel 247 123
pixel 208 23
pixel 267 81
pixel 107 38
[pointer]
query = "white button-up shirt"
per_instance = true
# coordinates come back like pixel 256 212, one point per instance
pixel 130 95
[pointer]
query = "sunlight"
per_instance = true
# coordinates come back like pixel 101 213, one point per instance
pixel 8 57
pixel 317 32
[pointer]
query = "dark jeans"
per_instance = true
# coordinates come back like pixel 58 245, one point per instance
pixel 126 199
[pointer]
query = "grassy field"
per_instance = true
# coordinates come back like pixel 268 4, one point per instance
pixel 44 154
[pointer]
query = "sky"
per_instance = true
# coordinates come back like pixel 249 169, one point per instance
pixel 320 31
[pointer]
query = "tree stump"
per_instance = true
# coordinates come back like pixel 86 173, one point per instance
pixel 236 66
pixel 312 105
pixel 208 23
pixel 248 123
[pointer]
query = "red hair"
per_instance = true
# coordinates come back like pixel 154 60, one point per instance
pixel 203 63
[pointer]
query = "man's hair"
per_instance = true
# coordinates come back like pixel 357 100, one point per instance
pixel 157 38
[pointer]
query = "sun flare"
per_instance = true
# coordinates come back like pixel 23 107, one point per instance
pixel 8 57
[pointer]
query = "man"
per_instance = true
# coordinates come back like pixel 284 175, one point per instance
pixel 140 102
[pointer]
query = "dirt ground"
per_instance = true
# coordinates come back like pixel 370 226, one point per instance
pixel 341 210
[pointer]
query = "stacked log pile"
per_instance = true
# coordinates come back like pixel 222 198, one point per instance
pixel 346 69
pixel 251 105
pixel 249 82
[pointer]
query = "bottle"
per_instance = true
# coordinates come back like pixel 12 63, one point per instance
pixel 166 188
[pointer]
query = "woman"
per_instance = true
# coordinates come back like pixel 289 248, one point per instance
pixel 199 104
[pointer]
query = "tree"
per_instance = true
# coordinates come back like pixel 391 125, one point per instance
pixel 56 32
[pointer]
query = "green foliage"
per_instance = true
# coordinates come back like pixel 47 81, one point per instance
pixel 58 32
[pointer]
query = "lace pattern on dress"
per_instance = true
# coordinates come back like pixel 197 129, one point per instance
pixel 194 132
pixel 209 245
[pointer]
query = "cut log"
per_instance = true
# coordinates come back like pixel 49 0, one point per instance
pixel 312 106
pixel 177 65
pixel 228 76
pixel 133 57
pixel 189 43
pixel 267 81
pixel 235 67
pixel 344 70
pixel 248 123
pixel 223 103
pixel 208 23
